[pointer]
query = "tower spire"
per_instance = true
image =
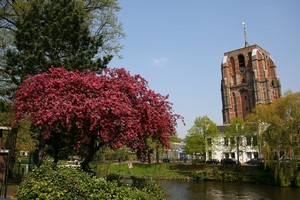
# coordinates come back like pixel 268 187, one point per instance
pixel 245 35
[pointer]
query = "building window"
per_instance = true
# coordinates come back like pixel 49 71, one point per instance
pixel 248 139
pixel 209 154
pixel 233 155
pixel 254 142
pixel 255 154
pixel 249 155
pixel 232 140
pixel 240 140
pixel 242 65
pixel 209 141
pixel 241 60
pixel 233 72
pixel 225 141
pixel 226 155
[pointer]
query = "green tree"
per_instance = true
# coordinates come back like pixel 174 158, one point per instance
pixel 175 138
pixel 194 144
pixel 279 135
pixel 68 33
pixel 203 130
pixel 236 131
pixel 279 122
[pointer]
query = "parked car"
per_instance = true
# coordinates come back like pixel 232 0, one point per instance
pixel 166 160
pixel 228 161
pixel 255 161
pixel 212 161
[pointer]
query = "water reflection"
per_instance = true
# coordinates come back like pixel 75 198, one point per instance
pixel 212 190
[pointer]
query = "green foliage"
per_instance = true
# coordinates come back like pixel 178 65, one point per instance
pixel 74 34
pixel 285 173
pixel 57 182
pixel 195 143
pixel 26 140
pixel 199 175
pixel 297 180
pixel 175 138
pixel 157 170
pixel 216 174
pixel 236 131
pixel 202 129
pixel 238 128
pixel 278 125
pixel 198 162
pixel 5 118
pixel 230 176
pixel 51 34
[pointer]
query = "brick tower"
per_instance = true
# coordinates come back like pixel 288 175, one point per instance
pixel 249 78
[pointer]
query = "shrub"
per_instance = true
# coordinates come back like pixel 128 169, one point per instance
pixel 285 173
pixel 297 180
pixel 58 182
pixel 55 182
pixel 216 174
pixel 199 175
pixel 103 189
pixel 232 177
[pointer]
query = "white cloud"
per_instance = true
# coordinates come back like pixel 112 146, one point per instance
pixel 160 61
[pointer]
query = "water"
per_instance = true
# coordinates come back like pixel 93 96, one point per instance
pixel 213 190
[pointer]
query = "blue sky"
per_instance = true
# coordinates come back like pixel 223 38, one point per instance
pixel 178 46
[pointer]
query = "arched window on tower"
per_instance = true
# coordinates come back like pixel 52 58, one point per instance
pixel 233 70
pixel 234 103
pixel 241 60
pixel 242 67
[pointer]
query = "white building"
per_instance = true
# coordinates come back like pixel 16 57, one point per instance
pixel 223 147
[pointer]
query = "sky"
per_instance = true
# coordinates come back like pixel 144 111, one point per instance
pixel 178 47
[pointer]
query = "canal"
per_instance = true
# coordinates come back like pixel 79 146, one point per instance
pixel 213 190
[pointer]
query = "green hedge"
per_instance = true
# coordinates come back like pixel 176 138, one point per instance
pixel 57 182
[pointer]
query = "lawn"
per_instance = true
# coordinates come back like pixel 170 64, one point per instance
pixel 144 170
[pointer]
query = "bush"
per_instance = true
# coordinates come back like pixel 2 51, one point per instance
pixel 216 174
pixel 297 180
pixel 199 175
pixel 232 177
pixel 198 162
pixel 285 173
pixel 58 182
pixel 55 182
pixel 111 190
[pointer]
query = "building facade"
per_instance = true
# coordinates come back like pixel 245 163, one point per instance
pixel 249 77
pixel 222 148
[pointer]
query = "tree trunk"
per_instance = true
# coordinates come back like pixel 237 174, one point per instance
pixel 157 155
pixel 238 150
pixel 55 156
pixel 40 152
pixel 10 144
pixel 93 148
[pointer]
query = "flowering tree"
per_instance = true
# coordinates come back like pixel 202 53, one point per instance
pixel 86 109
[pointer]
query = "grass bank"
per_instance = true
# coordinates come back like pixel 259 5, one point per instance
pixel 143 170
pixel 244 174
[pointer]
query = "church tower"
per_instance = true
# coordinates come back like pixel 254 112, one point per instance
pixel 249 78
